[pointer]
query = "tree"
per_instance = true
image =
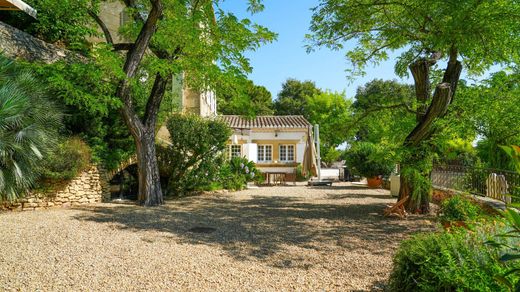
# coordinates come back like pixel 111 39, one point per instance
pixel 246 99
pixel 196 39
pixel 490 111
pixel 332 111
pixel 383 112
pixel 192 160
pixel 292 98
pixel 28 128
pixel 473 33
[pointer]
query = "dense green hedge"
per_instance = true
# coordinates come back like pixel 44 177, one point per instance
pixel 459 260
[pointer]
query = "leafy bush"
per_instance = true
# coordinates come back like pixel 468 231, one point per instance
pixel 235 174
pixel 459 208
pixel 511 278
pixel 450 261
pixel 299 174
pixel 193 159
pixel 66 161
pixel 368 159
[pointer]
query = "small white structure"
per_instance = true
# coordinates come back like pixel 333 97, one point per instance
pixel 274 143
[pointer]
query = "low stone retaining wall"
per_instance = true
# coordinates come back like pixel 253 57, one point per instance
pixel 91 186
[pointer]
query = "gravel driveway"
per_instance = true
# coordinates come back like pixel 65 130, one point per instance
pixel 267 239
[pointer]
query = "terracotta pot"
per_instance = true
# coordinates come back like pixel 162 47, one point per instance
pixel 375 182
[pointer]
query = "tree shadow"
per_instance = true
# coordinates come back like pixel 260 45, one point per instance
pixel 340 187
pixel 261 227
pixel 358 196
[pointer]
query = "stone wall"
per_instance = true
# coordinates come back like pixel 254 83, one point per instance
pixel 91 186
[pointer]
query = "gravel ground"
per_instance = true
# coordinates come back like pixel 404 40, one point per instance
pixel 267 239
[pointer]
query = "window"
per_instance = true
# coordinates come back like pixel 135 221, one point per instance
pixel 265 153
pixel 235 151
pixel 287 153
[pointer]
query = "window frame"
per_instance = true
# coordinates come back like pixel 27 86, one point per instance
pixel 230 150
pixel 264 153
pixel 286 158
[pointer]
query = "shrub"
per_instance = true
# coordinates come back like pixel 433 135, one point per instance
pixel 368 159
pixel 449 261
pixel 299 174
pixel 193 159
pixel 235 174
pixel 28 128
pixel 66 161
pixel 459 208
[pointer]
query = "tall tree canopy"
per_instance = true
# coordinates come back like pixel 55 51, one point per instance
pixel 383 112
pixel 292 98
pixel 471 33
pixel 333 112
pixel 246 99
pixel 491 112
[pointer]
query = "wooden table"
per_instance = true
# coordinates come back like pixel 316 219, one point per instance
pixel 278 177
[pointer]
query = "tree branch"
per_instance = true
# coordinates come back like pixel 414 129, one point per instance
pixel 438 107
pixel 102 25
pixel 123 46
pixel 372 110
pixel 154 100
pixel 133 59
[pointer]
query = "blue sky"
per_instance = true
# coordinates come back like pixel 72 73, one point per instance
pixel 287 57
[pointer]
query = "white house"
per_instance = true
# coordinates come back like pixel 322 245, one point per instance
pixel 274 143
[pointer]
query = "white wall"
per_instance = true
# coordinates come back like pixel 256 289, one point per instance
pixel 250 151
pixel 250 136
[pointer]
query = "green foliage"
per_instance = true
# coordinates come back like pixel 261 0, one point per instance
pixel 513 152
pixel 457 151
pixel 247 99
pixel 235 174
pixel 65 21
pixel 332 111
pixel 92 111
pixel 66 161
pixel 368 159
pixel 28 128
pixel 299 174
pixel 382 112
pixel 490 111
pixel 459 208
pixel 193 158
pixel 449 261
pixel 418 28
pixel 511 277
pixel 292 99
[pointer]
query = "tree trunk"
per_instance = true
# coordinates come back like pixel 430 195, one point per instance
pixel 442 98
pixel 422 205
pixel 150 192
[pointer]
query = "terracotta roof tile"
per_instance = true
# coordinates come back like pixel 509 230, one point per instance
pixel 240 122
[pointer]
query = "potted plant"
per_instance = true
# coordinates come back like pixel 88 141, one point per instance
pixel 369 160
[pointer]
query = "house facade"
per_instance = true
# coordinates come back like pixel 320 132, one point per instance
pixel 273 143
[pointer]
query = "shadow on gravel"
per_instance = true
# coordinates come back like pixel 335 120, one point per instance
pixel 262 227
pixel 358 196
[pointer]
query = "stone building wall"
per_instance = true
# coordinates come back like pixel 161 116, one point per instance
pixel 91 186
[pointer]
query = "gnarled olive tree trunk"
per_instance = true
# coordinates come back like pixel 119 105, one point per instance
pixel 415 177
